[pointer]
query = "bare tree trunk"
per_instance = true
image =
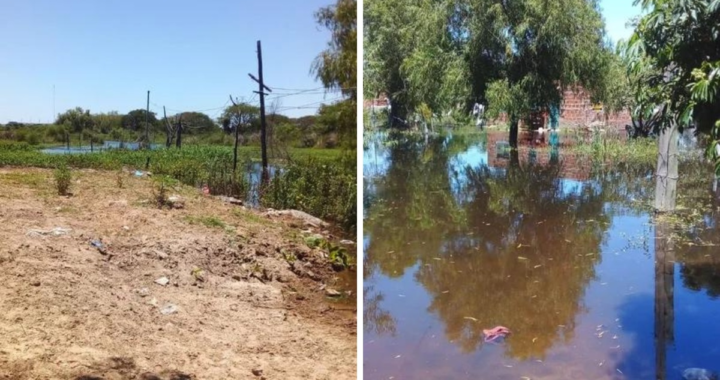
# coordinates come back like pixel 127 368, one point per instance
pixel 667 169
pixel 178 142
pixel 513 132
pixel 664 292
pixel 237 129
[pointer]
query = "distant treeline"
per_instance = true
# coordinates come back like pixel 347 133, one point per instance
pixel 78 125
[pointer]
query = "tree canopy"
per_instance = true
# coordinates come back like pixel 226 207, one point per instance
pixel 336 66
pixel 675 51
pixel 135 120
pixel 77 119
pixel 241 115
pixel 516 55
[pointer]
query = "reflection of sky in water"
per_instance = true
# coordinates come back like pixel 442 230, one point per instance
pixel 619 300
pixel 376 162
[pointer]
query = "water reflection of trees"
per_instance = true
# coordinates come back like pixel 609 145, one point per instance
pixel 515 247
pixel 532 251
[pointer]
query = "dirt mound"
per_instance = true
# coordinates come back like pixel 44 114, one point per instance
pixel 104 285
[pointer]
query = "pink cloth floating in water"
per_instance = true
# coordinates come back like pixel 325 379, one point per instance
pixel 495 333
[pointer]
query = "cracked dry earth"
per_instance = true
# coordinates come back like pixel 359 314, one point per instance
pixel 236 307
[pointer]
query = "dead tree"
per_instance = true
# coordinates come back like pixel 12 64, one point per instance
pixel 173 130
pixel 240 116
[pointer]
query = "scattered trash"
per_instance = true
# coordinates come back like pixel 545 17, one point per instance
pixel 347 242
pixel 230 200
pixel 57 231
pixel 153 302
pixel 495 333
pixel 162 281
pixel 198 274
pixel 169 309
pixel 176 202
pixel 205 190
pixel 697 374
pixel 138 173
pixel 332 293
pixel 100 246
pixel 471 319
pixel 144 292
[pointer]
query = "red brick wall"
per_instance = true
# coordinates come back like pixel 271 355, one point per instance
pixel 578 110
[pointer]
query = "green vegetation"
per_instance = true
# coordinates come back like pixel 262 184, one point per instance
pixel 63 177
pixel 337 255
pixel 518 57
pixel 207 221
pixel 326 189
pixel 313 176
pixel 674 54
pixel 336 67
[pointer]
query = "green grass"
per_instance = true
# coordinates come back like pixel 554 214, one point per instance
pixel 321 182
pixel 207 221
pixel 616 149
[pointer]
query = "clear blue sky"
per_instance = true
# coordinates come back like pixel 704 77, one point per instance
pixel 105 55
pixel 617 13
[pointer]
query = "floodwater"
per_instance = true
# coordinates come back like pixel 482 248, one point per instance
pixel 460 236
pixel 107 145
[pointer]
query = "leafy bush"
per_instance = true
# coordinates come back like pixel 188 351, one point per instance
pixel 63 177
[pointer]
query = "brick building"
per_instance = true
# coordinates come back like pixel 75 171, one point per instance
pixel 576 110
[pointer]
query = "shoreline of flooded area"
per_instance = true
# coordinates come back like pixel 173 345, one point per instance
pixel 460 238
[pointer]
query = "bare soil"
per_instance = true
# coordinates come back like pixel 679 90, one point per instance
pixel 248 299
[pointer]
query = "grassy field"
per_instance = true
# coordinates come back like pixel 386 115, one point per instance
pixel 321 182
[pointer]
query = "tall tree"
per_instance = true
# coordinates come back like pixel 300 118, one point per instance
pixel 135 120
pixel 336 66
pixel 549 46
pixel 235 118
pixel 77 119
pixel 516 55
pixel 675 49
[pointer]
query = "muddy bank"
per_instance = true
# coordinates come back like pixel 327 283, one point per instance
pixel 208 291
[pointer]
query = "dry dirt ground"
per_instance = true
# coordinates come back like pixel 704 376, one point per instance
pixel 248 299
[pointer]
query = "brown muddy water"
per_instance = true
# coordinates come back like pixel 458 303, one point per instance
pixel 460 237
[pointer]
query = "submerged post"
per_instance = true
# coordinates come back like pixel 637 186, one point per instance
pixel 667 169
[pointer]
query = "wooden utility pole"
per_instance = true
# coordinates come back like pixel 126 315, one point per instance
pixel 147 126
pixel 263 126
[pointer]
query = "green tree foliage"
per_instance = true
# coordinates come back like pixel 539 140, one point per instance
pixel 107 122
pixel 675 50
pixel 333 119
pixel 195 123
pixel 243 116
pixel 76 120
pixel 336 67
pixel 135 120
pixel 517 55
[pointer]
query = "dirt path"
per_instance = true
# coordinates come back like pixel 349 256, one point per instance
pixel 240 305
